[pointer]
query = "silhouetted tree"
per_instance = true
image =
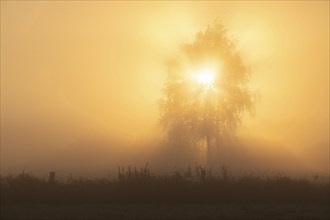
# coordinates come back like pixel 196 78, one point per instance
pixel 207 109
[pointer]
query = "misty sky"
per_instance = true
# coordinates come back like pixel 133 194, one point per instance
pixel 88 75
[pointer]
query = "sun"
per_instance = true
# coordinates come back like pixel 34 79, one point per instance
pixel 205 77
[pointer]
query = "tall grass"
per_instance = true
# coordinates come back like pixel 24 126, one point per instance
pixel 190 185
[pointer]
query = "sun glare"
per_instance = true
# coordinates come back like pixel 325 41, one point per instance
pixel 205 77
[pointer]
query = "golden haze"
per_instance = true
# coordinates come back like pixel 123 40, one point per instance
pixel 82 78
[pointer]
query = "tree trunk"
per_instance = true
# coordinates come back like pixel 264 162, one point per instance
pixel 209 151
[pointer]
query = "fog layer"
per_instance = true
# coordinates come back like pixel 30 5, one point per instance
pixel 80 82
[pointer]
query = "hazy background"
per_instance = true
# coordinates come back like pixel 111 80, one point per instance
pixel 80 82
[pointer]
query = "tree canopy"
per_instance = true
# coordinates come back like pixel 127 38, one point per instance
pixel 206 91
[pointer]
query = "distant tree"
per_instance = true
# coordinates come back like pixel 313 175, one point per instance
pixel 205 93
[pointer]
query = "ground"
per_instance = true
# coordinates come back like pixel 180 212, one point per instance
pixel 160 212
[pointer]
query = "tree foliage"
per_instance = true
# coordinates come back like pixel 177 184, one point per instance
pixel 191 112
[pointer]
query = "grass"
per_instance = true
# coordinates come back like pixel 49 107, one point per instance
pixel 184 186
pixel 192 193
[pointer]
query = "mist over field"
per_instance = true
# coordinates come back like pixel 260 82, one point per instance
pixel 164 110
pixel 81 83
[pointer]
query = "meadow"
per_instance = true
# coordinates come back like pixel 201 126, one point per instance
pixel 191 193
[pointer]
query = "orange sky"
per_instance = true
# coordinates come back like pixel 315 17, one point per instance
pixel 73 72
